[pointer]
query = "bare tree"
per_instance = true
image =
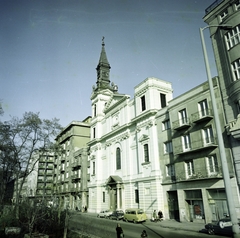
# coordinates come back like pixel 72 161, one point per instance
pixel 20 139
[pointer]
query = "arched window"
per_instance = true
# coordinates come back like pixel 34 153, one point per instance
pixel 146 153
pixel 118 158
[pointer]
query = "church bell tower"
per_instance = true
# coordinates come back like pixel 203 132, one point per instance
pixel 103 70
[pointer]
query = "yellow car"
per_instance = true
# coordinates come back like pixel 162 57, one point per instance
pixel 135 215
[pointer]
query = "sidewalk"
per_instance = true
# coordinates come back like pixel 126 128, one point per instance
pixel 173 224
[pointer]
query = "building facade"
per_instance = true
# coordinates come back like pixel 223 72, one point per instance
pixel 193 184
pixel 123 157
pixel 70 166
pixel 226 47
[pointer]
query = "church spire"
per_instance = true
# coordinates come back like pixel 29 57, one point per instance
pixel 103 69
pixel 103 57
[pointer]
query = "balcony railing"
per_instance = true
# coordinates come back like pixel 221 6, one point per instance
pixel 181 124
pixel 212 6
pixel 202 116
pixel 195 146
pixel 205 173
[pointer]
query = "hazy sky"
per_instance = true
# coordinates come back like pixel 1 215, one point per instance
pixel 49 50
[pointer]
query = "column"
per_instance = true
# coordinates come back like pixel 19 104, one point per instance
pixel 118 196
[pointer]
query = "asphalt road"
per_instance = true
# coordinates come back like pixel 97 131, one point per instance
pixel 104 228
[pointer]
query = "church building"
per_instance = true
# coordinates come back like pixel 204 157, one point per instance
pixel 124 159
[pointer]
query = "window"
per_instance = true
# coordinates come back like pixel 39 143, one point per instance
pixel 163 100
pixel 103 196
pixel 93 168
pixel 186 142
pixel 166 125
pixel 189 168
pixel 236 69
pixel 212 164
pixel 170 171
pixel 232 37
pixel 136 196
pixel 223 15
pixel 203 108
pixel 118 158
pixel 208 135
pixel 182 116
pixel 94 110
pixel 168 147
pixel 143 103
pixel 94 132
pixel 146 153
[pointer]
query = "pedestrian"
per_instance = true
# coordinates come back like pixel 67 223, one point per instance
pixel 160 215
pixel 154 215
pixel 119 231
pixel 144 234
pixel 85 208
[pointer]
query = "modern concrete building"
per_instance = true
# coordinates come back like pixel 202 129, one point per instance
pixel 193 184
pixel 44 169
pixel 70 176
pixel 39 182
pixel 226 47
pixel 123 157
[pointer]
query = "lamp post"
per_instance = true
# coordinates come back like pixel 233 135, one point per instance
pixel 226 177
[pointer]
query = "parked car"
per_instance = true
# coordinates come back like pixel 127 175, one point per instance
pixel 135 215
pixel 117 215
pixel 221 227
pixel 104 213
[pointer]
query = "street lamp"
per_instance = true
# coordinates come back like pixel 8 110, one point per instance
pixel 226 177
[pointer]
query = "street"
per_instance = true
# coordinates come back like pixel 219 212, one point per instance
pixel 104 228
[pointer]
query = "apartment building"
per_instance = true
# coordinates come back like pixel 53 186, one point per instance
pixel 39 182
pixel 193 184
pixel 70 167
pixel 223 19
pixel 44 168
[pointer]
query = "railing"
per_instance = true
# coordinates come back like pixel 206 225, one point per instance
pixel 207 173
pixel 212 6
pixel 202 115
pixel 195 146
pixel 184 122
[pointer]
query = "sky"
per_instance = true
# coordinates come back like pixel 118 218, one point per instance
pixel 49 51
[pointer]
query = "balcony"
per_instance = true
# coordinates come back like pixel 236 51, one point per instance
pixel 181 124
pixel 196 146
pixel 50 166
pixel 77 163
pixel 212 6
pixel 205 115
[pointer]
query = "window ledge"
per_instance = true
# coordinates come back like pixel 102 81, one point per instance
pixel 146 163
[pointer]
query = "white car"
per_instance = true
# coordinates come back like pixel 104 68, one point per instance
pixel 105 213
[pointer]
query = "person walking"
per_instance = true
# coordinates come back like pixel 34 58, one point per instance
pixel 119 231
pixel 144 234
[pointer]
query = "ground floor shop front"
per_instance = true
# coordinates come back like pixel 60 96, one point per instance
pixel 198 204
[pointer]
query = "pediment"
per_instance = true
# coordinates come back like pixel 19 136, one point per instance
pixel 113 179
pixel 143 138
pixel 115 100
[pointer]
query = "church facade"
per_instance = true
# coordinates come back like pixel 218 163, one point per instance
pixel 123 157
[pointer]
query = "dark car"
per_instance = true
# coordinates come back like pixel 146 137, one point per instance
pixel 116 215
pixel 221 227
